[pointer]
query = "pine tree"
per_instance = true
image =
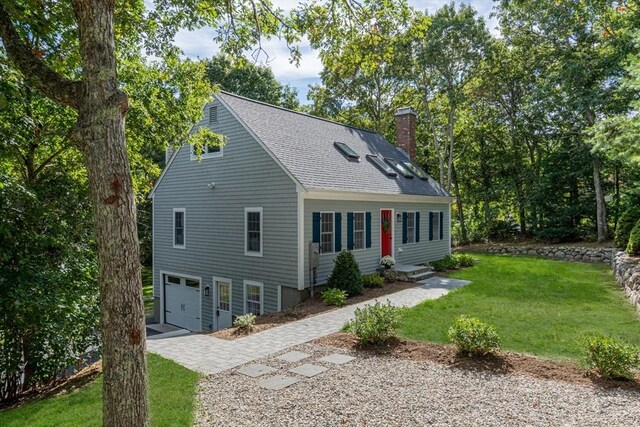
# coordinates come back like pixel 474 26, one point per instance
pixel 346 274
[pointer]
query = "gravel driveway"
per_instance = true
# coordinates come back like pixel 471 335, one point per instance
pixel 386 391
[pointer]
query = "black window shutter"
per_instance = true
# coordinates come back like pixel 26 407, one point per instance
pixel 430 225
pixel 316 227
pixel 404 227
pixel 417 226
pixel 350 231
pixel 368 226
pixel 338 219
pixel 441 225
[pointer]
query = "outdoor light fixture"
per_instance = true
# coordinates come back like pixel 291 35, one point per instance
pixel 398 217
pixel 206 291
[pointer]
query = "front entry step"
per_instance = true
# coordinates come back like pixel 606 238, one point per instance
pixel 421 276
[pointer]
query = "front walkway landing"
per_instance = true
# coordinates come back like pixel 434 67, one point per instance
pixel 209 355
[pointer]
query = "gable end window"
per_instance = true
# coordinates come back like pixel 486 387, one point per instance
pixel 213 115
pixel 253 231
pixel 179 228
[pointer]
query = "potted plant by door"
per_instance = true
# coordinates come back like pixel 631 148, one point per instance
pixel 387 261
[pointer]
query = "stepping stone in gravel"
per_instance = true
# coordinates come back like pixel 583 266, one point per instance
pixel 293 356
pixel 308 370
pixel 255 370
pixel 278 382
pixel 337 358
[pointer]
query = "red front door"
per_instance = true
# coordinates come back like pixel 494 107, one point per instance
pixel 386 229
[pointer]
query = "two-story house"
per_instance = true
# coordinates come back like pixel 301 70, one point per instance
pixel 231 229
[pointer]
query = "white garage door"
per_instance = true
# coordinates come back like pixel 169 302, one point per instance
pixel 182 302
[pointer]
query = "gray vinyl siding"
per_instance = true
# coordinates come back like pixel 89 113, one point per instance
pixel 245 176
pixel 368 259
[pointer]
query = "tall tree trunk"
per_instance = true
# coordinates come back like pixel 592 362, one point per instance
pixel 99 135
pixel 463 226
pixel 601 207
pixel 101 138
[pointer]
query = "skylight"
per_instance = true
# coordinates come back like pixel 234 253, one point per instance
pixel 400 168
pixel 417 171
pixel 346 150
pixel 384 168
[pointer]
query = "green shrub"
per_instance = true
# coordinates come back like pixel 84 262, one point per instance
pixel 626 224
pixel 372 280
pixel 634 240
pixel 610 358
pixel 473 337
pixel 446 263
pixel 246 322
pixel 374 324
pixel 346 274
pixel 464 260
pixel 333 296
pixel 391 276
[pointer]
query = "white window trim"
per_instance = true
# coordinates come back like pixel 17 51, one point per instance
pixel 206 155
pixel 184 228
pixel 364 229
pixel 252 283
pixel 333 241
pixel 415 217
pixel 246 212
pixel 162 296
pixel 215 295
pixel 436 233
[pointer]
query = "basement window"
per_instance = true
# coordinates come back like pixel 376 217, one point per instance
pixel 417 171
pixel 400 168
pixel 384 168
pixel 346 150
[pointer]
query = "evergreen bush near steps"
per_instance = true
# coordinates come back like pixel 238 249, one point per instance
pixel 372 280
pixel 346 274
pixel 634 240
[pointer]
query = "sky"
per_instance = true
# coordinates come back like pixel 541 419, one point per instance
pixel 200 44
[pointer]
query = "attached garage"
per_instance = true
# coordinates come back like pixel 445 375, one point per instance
pixel 182 301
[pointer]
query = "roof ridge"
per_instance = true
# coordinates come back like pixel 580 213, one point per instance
pixel 311 116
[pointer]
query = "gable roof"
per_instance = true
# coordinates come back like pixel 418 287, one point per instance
pixel 304 147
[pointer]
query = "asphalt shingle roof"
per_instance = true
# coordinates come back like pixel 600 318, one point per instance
pixel 304 146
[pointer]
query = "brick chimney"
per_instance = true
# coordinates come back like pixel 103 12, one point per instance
pixel 406 131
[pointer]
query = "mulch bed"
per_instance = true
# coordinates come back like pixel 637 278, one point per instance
pixel 61 387
pixel 504 363
pixel 308 308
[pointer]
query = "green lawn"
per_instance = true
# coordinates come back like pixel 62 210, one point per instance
pixel 171 394
pixel 538 306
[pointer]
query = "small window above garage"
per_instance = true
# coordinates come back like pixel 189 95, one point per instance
pixel 346 150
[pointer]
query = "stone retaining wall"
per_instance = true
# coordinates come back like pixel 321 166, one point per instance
pixel 568 253
pixel 627 271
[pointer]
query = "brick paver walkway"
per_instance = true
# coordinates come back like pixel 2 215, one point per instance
pixel 209 355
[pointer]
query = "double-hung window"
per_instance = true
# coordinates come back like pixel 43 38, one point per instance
pixel 327 220
pixel 179 228
pixel 435 226
pixel 411 227
pixel 358 230
pixel 253 298
pixel 253 231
